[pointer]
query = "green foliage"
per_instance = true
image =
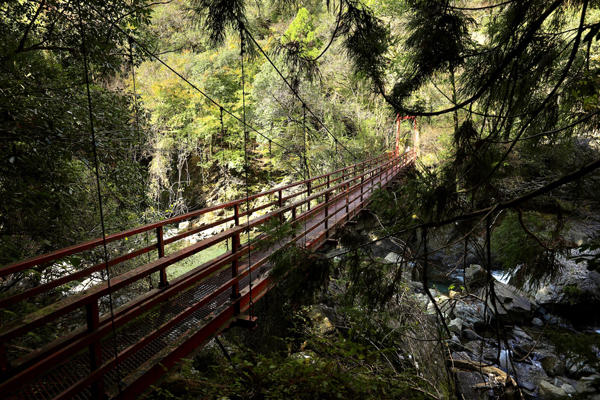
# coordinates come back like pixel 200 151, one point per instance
pixel 573 293
pixel 362 364
pixel 330 369
pixel 47 174
pixel 366 40
pixel 372 282
pixel 437 41
pixel 576 347
pixel 192 146
pixel 300 274
pixel 275 233
pixel 302 32
pixel 517 249
pixel 220 15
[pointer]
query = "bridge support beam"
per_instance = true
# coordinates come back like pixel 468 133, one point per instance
pixel 93 322
pixel 245 321
pixel 327 211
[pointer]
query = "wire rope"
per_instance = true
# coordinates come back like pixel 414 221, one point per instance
pixel 246 167
pixel 295 92
pixel 98 189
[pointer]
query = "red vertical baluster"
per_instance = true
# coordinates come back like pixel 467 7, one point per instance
pixel 308 192
pixel 93 321
pixel 347 190
pixel 160 242
pixel 362 187
pixel 235 246
pixel 4 366
pixel 280 205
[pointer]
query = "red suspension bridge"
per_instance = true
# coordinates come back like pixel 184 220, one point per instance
pixel 118 352
pixel 119 333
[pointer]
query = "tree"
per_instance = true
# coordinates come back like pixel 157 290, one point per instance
pixel 47 181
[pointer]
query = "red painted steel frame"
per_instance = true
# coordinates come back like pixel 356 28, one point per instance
pixel 344 192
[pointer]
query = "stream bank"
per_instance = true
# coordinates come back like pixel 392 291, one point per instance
pixel 539 341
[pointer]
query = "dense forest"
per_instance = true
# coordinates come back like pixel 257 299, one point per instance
pixel 474 274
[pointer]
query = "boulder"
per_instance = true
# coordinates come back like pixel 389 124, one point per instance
pixel 393 258
pixel 442 303
pixel 549 391
pixel 481 380
pixel 183 225
pixel 553 365
pixel 479 350
pixel 421 299
pixel 520 334
pixel 471 313
pixel 527 385
pixel 588 385
pixel 475 276
pixel 537 322
pixel 455 326
pixel 511 303
pixel 529 374
pixel 574 285
pixel 468 334
pixel 382 248
pixel 552 319
pixel 416 286
pixel 577 369
pixel 569 389
pixel 454 343
pixel 473 386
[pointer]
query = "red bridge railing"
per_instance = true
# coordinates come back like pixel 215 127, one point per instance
pixel 323 202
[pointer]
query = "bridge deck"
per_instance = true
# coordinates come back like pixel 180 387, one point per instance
pixel 122 355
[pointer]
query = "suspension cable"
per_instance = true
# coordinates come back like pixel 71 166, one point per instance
pixel 307 176
pixel 295 92
pixel 246 167
pixel 99 192
pixel 192 85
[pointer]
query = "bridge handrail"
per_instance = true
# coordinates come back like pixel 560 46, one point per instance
pixel 117 282
pixel 130 311
pixel 70 250
pixel 125 234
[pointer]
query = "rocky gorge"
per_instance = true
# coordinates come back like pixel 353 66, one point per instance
pixel 509 338
pixel 520 340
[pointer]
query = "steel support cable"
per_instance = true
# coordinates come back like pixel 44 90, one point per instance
pixel 307 176
pixel 139 143
pixel 99 192
pixel 295 92
pixel 287 110
pixel 195 87
pixel 246 167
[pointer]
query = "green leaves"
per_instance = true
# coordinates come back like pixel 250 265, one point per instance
pixel 49 196
pixel 366 40
pixel 302 33
pixel 219 15
pixel 329 368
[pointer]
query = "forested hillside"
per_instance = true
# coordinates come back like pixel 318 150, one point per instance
pixel 481 257
pixel 163 147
